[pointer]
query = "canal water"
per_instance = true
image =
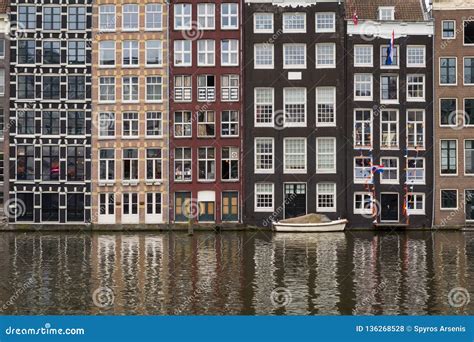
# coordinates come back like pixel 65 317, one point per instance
pixel 235 273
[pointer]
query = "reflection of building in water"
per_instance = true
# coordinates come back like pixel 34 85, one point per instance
pixel 416 276
pixel 264 279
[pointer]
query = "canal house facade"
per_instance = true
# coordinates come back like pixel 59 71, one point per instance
pixel 4 105
pixel 390 114
pixel 130 101
pixel 206 111
pixel 454 112
pixel 294 110
pixel 50 111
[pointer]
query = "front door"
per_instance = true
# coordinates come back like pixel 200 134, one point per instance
pixel 295 200
pixel 130 208
pixel 230 206
pixel 389 207
pixel 469 205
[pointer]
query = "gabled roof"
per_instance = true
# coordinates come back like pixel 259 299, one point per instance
pixel 405 10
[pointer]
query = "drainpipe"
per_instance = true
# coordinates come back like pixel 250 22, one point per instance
pixel 167 138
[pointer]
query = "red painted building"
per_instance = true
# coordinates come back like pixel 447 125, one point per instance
pixel 206 111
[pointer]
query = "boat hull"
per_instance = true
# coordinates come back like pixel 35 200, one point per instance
pixel 333 226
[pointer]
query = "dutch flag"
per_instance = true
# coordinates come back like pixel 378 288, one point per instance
pixel 390 49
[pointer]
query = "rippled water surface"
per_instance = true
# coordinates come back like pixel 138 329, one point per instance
pixel 237 273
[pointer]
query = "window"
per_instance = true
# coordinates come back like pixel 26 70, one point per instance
pixel 183 89
pixel 230 52
pixel 385 60
pixel 129 53
pixel 107 164
pixel 468 32
pixel 2 48
pixel 230 163
pixel 206 88
pixel 447 71
pixel 325 155
pixel 469 70
pixel 230 123
pixel 153 203
pixel 154 53
pixel 25 162
pixel 415 128
pixel 264 56
pixel 50 163
pixel 26 51
pixel 75 207
pixel 363 170
pixel 107 17
pixel 363 87
pixel 106 124
pixel 130 164
pixel 76 122
pixel 325 55
pixel 294 22
pixel 263 22
pixel 107 53
pixel 294 56
pixel 363 128
pixel 25 87
pixel 230 88
pixel 206 16
pixel 294 151
pixel 389 88
pixel 449 157
pixel 206 52
pixel 130 204
pixel 107 89
pixel 182 53
pixel 363 55
pixel 415 171
pixel 130 125
pixel 130 17
pixel 229 16
pixel 325 106
pixel 386 13
pixel 154 89
pixel 51 87
pixel 2 87
pixel 26 17
pixel 76 18
pixel 325 22
pixel 51 52
pixel 415 87
pixel 449 199
pixel 415 203
pixel 264 197
pixel 390 170
pixel 76 87
pixel 294 103
pixel 25 122
pixel 206 124
pixel 469 157
pixel 51 18
pixel 76 52
pixel 206 163
pixel 75 163
pixel 389 129
pixel 416 56
pixel 130 89
pixel 182 16
pixel 27 215
pixel 363 203
pixel 182 124
pixel 50 123
pixel 182 164
pixel 325 197
pixel 154 124
pixel 448 28
pixel 264 107
pixel 448 112
pixel 153 17
pixel 153 164
pixel 468 115
pixel 264 155
pixel 49 207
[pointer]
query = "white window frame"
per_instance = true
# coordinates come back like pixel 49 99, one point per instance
pixel 381 13
pixel 423 84
pixel 131 85
pixel 286 65
pixel 131 13
pixel 154 160
pixel 270 103
pixel 264 47
pixel 442 31
pixel 414 124
pixel 229 16
pixel 133 118
pixel 257 155
pixel 396 66
pixel 209 176
pixel 318 54
pixel 440 158
pixel 186 91
pixel 464 71
pixel 257 193
pixel 255 19
pixel 363 122
pixel 287 102
pixel 180 49
pixel 455 71
pixel 293 30
pixel 106 119
pixel 103 49
pixel 321 101
pixel 287 170
pixel 206 12
pixel 207 50
pixel 364 98
pixel 230 93
pixel 441 200
pixel 185 18
pixel 108 161
pixel 154 116
pixel 359 47
pixel 418 181
pixel 233 49
pixel 159 49
pixel 386 168
pixel 365 195
pixel 396 134
pixel 107 27
pixel 131 217
pixel 333 153
pixel 393 101
pixel 416 65
pixel 366 180
pixel 107 94
pixel 149 9
pixel 416 211
pixel 333 26
pixel 332 209
pixel 127 45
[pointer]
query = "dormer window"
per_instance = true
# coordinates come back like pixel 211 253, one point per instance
pixel 386 13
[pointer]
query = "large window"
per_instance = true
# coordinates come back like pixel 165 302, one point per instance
pixel 182 53
pixel 76 122
pixel 130 17
pixel 389 88
pixel 25 122
pixel 447 71
pixel 206 123
pixel 294 150
pixel 326 197
pixel 107 89
pixel 153 17
pixel 468 32
pixel 415 128
pixel 389 129
pixel 363 55
pixel 154 124
pixel 183 90
pixel 27 215
pixel 415 203
pixel 51 18
pixel 326 155
pixel 107 17
pixel 448 28
pixel 263 56
pixel 390 170
pixel 51 88
pixel 75 207
pixel 50 163
pixel 415 173
pixel 363 203
pixel 50 207
pixel 130 89
pixel 229 16
pixel 206 16
pixel 51 52
pixel 449 157
pixel 154 53
pixel 449 199
pixel 182 124
pixel 129 53
pixel 469 157
pixel 264 107
pixel 50 123
pixel 182 164
pixel 325 55
pixel 206 163
pixel 294 56
pixel 230 88
pixel 294 22
pixel 106 125
pixel 206 88
pixel 75 163
pixel 154 88
pixel 325 106
pixel 76 87
pixel 26 51
pixel 26 17
pixel 363 170
pixel 76 19
pixel 230 163
pixel 468 117
pixel 130 124
pixel 107 164
pixel 363 87
pixel 206 52
pixel 230 123
pixel 325 22
pixel 415 87
pixel 25 162
pixel 264 155
pixel 469 70
pixel 154 164
pixel 448 112
pixel 363 128
pixel 263 22
pixel 387 60
pixel 76 52
pixel 294 102
pixel 230 52
pixel 416 56
pixel 130 164
pixel 107 53
pixel 25 87
pixel 264 197
pixel 182 16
